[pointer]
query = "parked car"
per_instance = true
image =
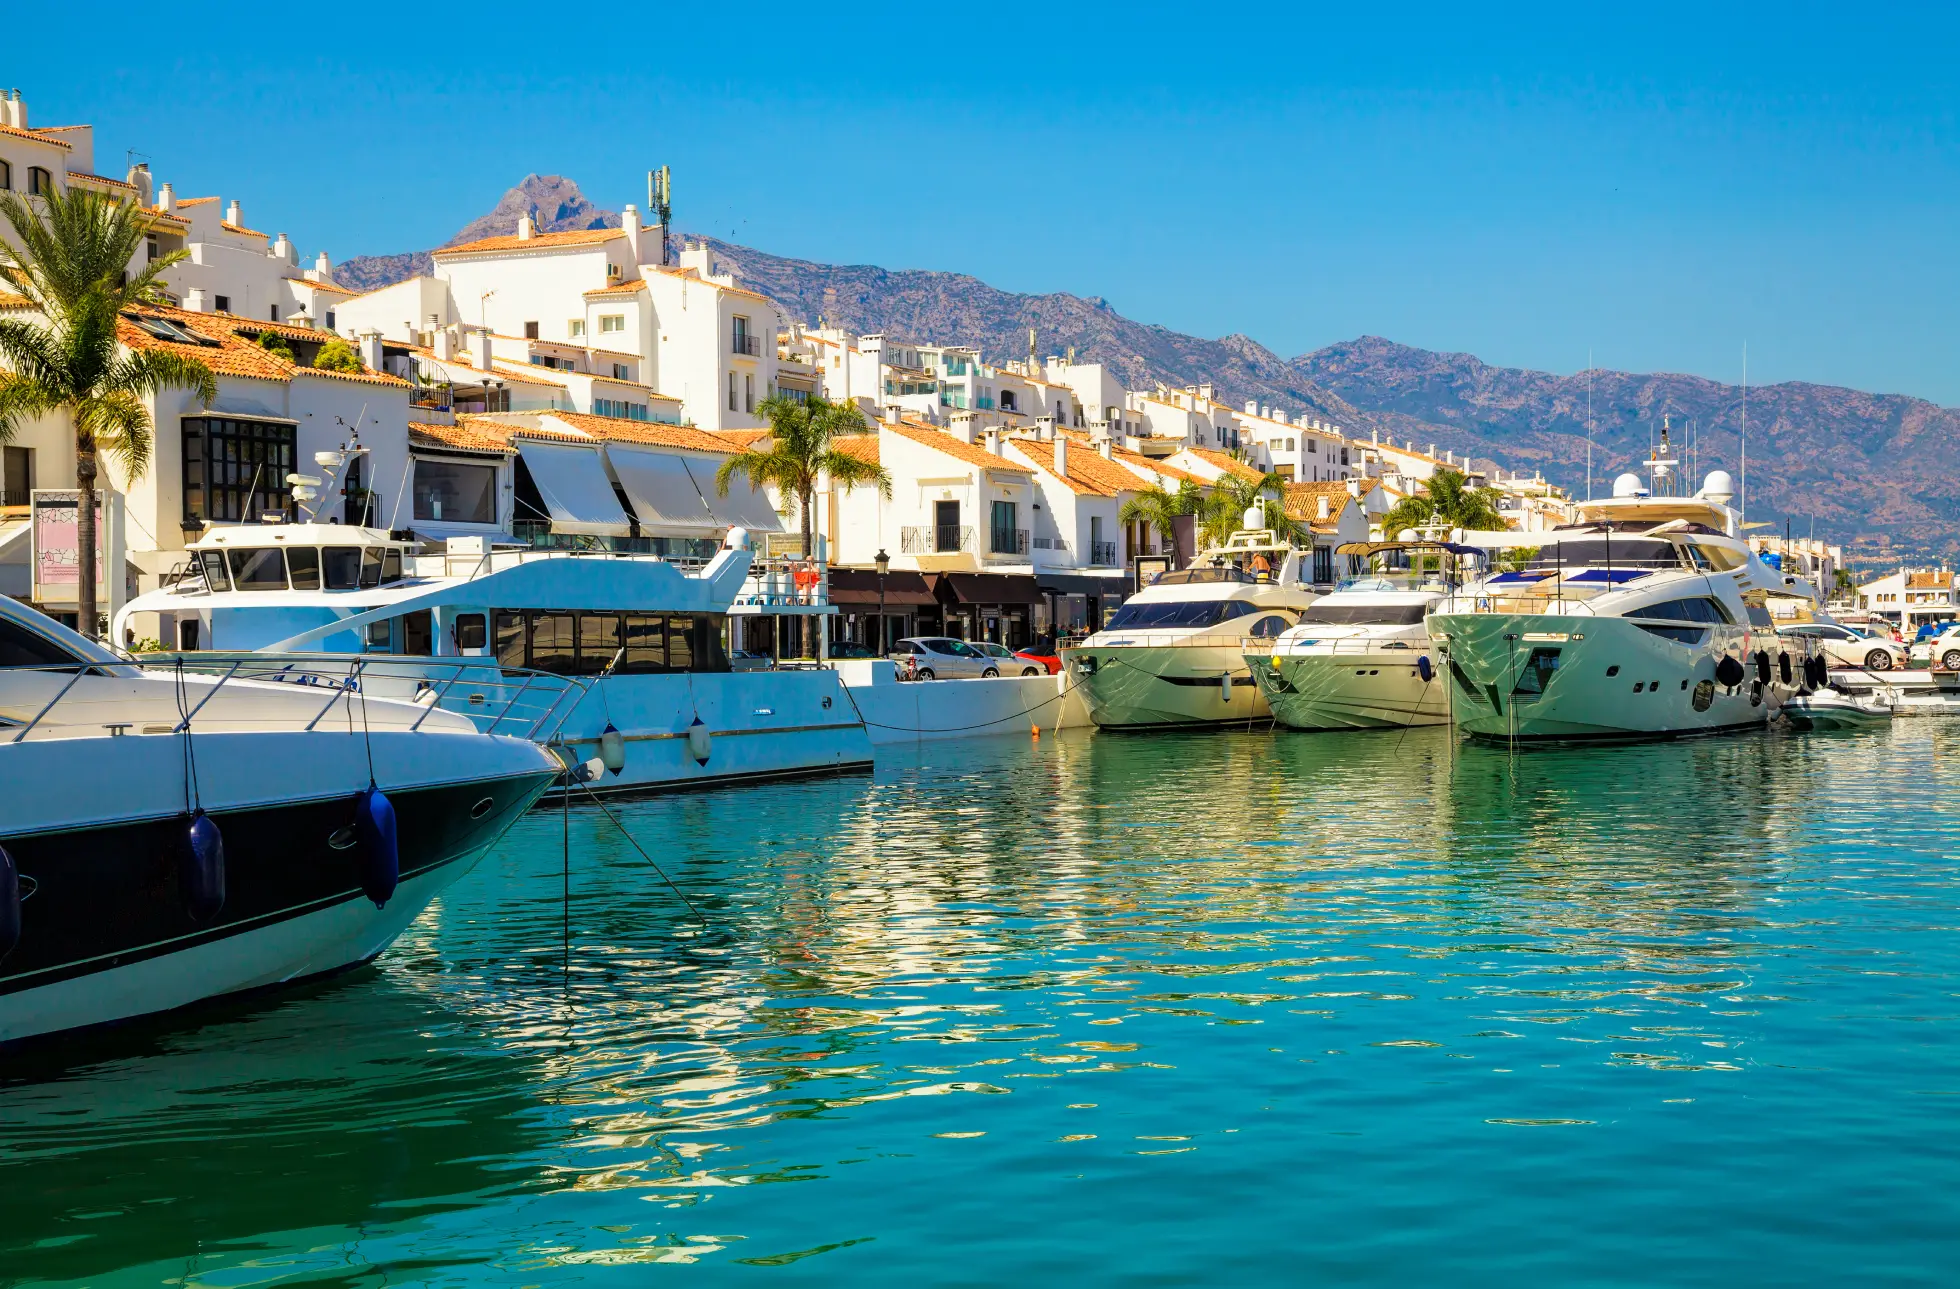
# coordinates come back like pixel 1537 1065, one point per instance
pixel 852 649
pixel 1844 647
pixel 744 660
pixel 1051 662
pixel 1940 650
pixel 1009 662
pixel 943 657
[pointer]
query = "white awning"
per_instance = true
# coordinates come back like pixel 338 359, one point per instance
pixel 743 507
pixel 572 481
pixel 662 491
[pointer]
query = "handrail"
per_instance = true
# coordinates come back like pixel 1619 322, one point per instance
pixel 79 673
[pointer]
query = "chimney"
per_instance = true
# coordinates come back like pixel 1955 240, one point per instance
pixel 17 116
pixel 1061 458
pixel 1044 428
pixel 166 199
pixel 235 214
pixel 526 230
pixel 1354 488
pixel 893 414
pixel 963 429
pixel 194 300
pixel 629 224
pixel 323 269
pixel 482 348
pixel 1252 407
pixel 1320 506
pixel 445 345
pixel 993 441
pixel 139 179
pixel 1207 392
pixel 282 249
pixel 1432 451
pixel 1107 449
pixel 371 349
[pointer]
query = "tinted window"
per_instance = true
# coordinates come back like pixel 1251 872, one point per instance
pixel 216 576
pixel 510 639
pixel 391 565
pixel 598 642
pixel 1601 552
pixel 1270 625
pixel 1182 613
pixel 259 570
pixel 303 562
pixel 1364 615
pixel 1698 609
pixel 370 566
pixel 554 648
pixel 20 647
pixel 340 567
pixel 680 644
pixel 646 644
pixel 470 632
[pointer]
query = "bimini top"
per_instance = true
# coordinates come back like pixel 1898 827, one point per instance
pixel 1379 548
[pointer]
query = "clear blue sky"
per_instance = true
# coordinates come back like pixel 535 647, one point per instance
pixel 1656 182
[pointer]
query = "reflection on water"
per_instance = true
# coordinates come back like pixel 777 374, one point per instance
pixel 1375 1007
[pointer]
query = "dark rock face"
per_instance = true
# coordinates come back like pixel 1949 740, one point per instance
pixel 1877 471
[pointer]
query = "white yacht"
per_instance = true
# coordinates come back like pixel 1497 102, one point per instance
pixel 168 837
pixel 1649 616
pixel 1174 654
pixel 636 642
pixel 1360 658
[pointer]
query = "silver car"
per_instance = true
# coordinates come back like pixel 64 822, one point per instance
pixel 943 657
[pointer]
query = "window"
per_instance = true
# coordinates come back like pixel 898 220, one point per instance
pixel 620 372
pixel 6 176
pixel 221 303
pixel 575 328
pixel 303 564
pixel 554 643
pixel 946 525
pixel 216 576
pixel 1003 537
pixel 16 476
pixel 455 492
pixel 329 319
pixel 589 643
pixel 598 642
pixel 1323 564
pixel 743 342
pixel 1007 401
pixel 259 570
pixel 1363 615
pixel 471 632
pixel 530 331
pixel 236 470
pixel 612 322
pixel 150 250
pixel 381 636
pixel 1605 552
pixel 1698 609
pixel 275 313
pixel 731 391
pixel 1536 673
pixel 1178 613
pixel 39 182
pixel 340 567
pixel 748 392
pixel 370 567
pixel 1270 625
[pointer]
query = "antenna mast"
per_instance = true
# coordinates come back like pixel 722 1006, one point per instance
pixel 1745 430
pixel 1589 424
pixel 660 201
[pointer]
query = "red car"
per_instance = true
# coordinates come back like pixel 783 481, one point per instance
pixel 1050 661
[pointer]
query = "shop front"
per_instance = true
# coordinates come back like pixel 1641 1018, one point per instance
pixel 868 600
pixel 1000 607
pixel 1077 604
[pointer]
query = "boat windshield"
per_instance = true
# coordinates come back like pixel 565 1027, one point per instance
pixel 1363 615
pixel 1194 576
pixel 1178 613
pixel 1604 552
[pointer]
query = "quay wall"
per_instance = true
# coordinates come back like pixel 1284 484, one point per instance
pixel 897 711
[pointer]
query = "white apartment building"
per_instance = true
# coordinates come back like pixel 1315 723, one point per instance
pixel 1190 417
pixel 1301 449
pixel 596 303
pixel 1912 596
pixel 958 503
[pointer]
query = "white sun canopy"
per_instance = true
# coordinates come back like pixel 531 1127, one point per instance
pixel 664 495
pixel 572 481
pixel 743 507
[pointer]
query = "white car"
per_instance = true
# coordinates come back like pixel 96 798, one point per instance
pixel 1847 648
pixel 940 657
pixel 1942 650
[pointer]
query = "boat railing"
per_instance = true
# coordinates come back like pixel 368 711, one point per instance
pixel 1118 637
pixel 517 701
pixel 1320 648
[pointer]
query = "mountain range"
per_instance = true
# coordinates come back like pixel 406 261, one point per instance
pixel 1878 472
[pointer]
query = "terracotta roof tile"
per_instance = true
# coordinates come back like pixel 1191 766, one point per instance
pixel 1302 501
pixel 622 289
pixel 536 242
pixel 929 436
pixel 749 438
pixel 862 446
pixel 718 286
pixel 237 356
pixel 85 177
pixel 463 435
pixel 321 286
pixel 1225 461
pixel 8 300
pixel 1088 472
pixel 35 135
pixel 196 201
pixel 649 433
pixel 239 228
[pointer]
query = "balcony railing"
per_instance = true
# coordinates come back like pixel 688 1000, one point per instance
pixel 1007 541
pixel 931 539
pixel 1102 554
pixel 745 344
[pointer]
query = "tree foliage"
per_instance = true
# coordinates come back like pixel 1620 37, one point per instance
pixel 1224 507
pixel 1160 509
pixel 1447 501
pixel 338 355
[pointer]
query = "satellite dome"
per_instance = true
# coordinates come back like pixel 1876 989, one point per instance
pixel 1408 535
pixel 1255 516
pixel 1629 485
pixel 1718 486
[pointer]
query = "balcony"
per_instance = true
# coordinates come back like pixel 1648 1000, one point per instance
pixel 742 343
pixel 1007 541
pixel 940 539
pixel 1057 544
pixel 1102 554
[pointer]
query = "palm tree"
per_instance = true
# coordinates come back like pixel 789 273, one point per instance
pixel 73 266
pixel 800 448
pixel 1233 494
pixel 1158 509
pixel 1445 502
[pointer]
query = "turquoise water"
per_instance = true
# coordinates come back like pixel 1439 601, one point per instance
pixel 1121 1010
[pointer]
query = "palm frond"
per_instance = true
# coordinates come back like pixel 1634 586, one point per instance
pixel 117 424
pixel 150 371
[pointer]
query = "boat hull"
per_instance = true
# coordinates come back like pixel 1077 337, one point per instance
pixel 107 928
pixel 1167 686
pixel 1377 689
pixel 1824 717
pixel 1609 678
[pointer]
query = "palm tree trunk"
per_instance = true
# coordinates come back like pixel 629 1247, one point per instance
pixel 807 500
pixel 85 541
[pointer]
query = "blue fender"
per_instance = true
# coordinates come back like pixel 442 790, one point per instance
pixel 381 863
pixel 1423 669
pixel 201 867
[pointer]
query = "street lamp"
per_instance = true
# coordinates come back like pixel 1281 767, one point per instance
pixel 884 566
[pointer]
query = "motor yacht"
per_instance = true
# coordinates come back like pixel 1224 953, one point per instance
pixel 635 642
pixel 1360 657
pixel 168 837
pixel 1174 654
pixel 1647 617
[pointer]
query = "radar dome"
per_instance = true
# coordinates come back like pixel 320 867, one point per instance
pixel 1629 485
pixel 1255 517
pixel 1408 535
pixel 1718 486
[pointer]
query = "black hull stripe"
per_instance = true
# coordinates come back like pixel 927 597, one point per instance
pixel 1621 736
pixel 552 797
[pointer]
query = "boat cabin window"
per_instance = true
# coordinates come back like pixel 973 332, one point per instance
pixel 1177 613
pixel 418 633
pixel 587 644
pixel 303 565
pixel 370 566
pixel 216 576
pixel 1363 615
pixel 1196 576
pixel 381 636
pixel 340 567
pixel 391 565
pixel 263 569
pixel 471 631
pixel 20 647
pixel 1605 552
pixel 1270 625
pixel 1696 609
